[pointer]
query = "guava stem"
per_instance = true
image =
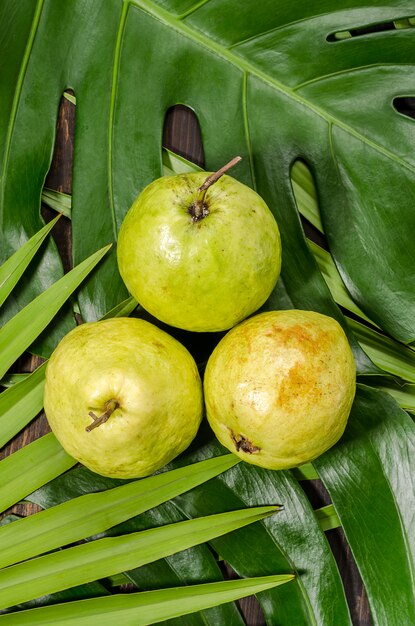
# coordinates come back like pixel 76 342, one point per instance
pixel 110 406
pixel 198 204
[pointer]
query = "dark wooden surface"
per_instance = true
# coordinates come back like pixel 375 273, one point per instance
pixel 182 135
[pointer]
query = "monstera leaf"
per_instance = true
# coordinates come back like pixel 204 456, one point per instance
pixel 276 83
pixel 273 83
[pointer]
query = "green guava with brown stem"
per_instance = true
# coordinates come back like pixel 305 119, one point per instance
pixel 199 253
pixel 122 397
pixel 279 387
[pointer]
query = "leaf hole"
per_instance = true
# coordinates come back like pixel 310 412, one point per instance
pixel 405 105
pixel 370 29
pixel 59 178
pixel 305 194
pixel 182 134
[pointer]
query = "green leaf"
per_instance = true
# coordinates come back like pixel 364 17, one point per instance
pixel 105 557
pixel 11 379
pixel 124 309
pixel 174 164
pixel 8 519
pixel 403 393
pixel 24 327
pixel 387 353
pixel 113 45
pixel 305 194
pixel 148 607
pixel 195 565
pixel 307 471
pixel 57 200
pixel 20 403
pixel 13 268
pixel 369 476
pixel 29 468
pixel 333 280
pixel 67 522
pixel 118 579
pixel 327 517
pixel 68 96
pixel 292 541
pixel 80 592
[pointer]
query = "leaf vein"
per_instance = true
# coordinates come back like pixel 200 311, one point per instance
pixel 193 9
pixel 163 16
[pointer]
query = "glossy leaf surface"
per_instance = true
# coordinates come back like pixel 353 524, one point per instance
pixel 104 557
pixel 67 523
pixel 254 63
pixel 336 112
pixel 194 565
pixel 293 541
pixel 144 608
pixel 390 355
pixel 290 541
pixel 369 476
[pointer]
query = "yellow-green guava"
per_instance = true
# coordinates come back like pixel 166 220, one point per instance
pixel 279 387
pixel 122 397
pixel 199 272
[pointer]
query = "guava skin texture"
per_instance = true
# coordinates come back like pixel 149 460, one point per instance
pixel 204 275
pixel 151 376
pixel 279 387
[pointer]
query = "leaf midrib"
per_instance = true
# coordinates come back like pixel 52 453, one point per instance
pixel 163 16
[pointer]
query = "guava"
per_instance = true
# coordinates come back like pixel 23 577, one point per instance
pixel 199 253
pixel 122 397
pixel 279 387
